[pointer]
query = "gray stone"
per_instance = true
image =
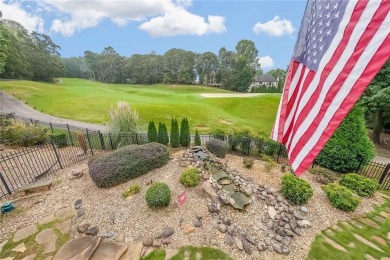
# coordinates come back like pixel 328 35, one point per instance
pixel 92 231
pixel 285 250
pixel 238 243
pixel 272 190
pixel 198 216
pixel 303 223
pixel 79 248
pixel 167 240
pixel 262 226
pixel 278 238
pixel 168 231
pixel 147 241
pixel 64 227
pixel 157 243
pixel 222 228
pixel 105 235
pixel 267 241
pixel 181 219
pixel 159 234
pixel 247 248
pixel 271 212
pixel 231 229
pixel 298 231
pixel 205 176
pixel 297 214
pixel 214 224
pixel 82 228
pixel 229 240
pixel 256 254
pixel 289 232
pixel 262 246
pixel 78 203
pixel 304 210
pixel 208 188
pixel 250 239
pixel 286 241
pixel 108 250
pixel 80 212
pixel 25 232
pixel 277 248
pixel 197 223
pixel 64 213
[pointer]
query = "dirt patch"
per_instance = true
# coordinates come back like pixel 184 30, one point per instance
pixel 230 95
pixel 226 121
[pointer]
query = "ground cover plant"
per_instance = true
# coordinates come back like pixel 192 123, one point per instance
pixel 158 195
pixel 361 185
pixel 126 163
pixel 296 190
pixel 341 197
pixel 190 177
pixel 131 190
pixel 89 101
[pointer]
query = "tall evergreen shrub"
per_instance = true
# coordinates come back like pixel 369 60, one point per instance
pixel 185 137
pixel 152 132
pixel 164 134
pixel 197 140
pixel 175 135
pixel 349 144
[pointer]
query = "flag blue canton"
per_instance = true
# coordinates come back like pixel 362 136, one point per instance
pixel 319 26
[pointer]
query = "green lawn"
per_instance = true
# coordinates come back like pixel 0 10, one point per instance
pixel 89 101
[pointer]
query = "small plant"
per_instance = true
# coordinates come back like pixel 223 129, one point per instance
pixel 133 189
pixel 361 185
pixel 297 191
pixel 323 175
pixel 248 162
pixel 341 197
pixel 22 134
pixel 158 195
pixel 152 132
pixel 197 140
pixel 269 164
pixel 123 119
pixel 190 177
pixel 82 142
pixel 217 147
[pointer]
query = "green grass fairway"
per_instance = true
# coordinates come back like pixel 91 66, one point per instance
pixel 89 101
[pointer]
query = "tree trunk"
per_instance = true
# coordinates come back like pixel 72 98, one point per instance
pixel 378 123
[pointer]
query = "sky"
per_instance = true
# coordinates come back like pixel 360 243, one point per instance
pixel 143 26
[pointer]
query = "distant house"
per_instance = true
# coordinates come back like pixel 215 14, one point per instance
pixel 263 80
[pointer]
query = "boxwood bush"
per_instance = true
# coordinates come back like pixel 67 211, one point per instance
pixel 217 147
pixel 296 190
pixel 323 175
pixel 341 197
pixel 126 163
pixel 158 195
pixel 190 177
pixel 361 185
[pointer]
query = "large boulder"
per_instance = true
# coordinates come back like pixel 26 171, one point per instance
pixel 126 163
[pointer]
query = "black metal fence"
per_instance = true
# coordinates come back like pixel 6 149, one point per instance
pixel 27 165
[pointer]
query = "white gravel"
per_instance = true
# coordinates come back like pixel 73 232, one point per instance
pixel 134 218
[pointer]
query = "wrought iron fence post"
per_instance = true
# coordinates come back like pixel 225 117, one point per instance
pixel 101 140
pixel 109 136
pixel 51 127
pixel 5 184
pixel 70 136
pixel 385 172
pixel 31 121
pixel 136 138
pixel 56 153
pixel 89 141
pixel 279 152
pixel 361 160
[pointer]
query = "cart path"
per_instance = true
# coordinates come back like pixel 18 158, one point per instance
pixel 9 104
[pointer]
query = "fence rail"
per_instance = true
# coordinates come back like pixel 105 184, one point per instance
pixel 19 168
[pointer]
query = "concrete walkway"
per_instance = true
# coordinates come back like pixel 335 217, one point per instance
pixel 9 104
pixel 382 159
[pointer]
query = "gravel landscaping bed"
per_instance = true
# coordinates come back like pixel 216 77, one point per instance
pixel 106 208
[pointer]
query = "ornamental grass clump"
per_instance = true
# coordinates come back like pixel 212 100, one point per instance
pixel 190 177
pixel 158 195
pixel 123 119
pixel 362 186
pixel 248 162
pixel 217 147
pixel 296 190
pixel 341 197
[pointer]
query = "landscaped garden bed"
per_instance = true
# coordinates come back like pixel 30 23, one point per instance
pixel 131 216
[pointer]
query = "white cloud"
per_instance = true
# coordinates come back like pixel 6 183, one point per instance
pixel 14 11
pixel 179 21
pixel 266 62
pixel 169 17
pixel 276 27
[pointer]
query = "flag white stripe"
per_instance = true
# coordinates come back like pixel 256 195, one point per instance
pixel 355 74
pixel 294 81
pixel 291 115
pixel 275 130
pixel 327 56
pixel 363 22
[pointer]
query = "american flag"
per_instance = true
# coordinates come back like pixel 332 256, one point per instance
pixel 341 46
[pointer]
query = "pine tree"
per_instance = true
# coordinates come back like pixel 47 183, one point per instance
pixel 183 132
pixel 175 135
pixel 164 136
pixel 160 133
pixel 152 132
pixel 187 137
pixel 197 138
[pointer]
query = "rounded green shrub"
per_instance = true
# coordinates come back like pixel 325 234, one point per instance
pixel 361 185
pixel 323 175
pixel 126 163
pixel 248 162
pixel 217 147
pixel 158 195
pixel 341 197
pixel 349 144
pixel 297 191
pixel 190 177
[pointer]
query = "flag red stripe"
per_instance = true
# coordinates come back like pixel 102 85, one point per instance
pixel 358 10
pixel 377 61
pixel 370 31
